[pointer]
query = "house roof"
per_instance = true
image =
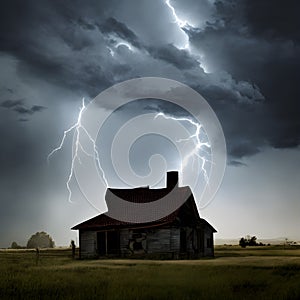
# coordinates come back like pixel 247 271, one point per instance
pixel 187 212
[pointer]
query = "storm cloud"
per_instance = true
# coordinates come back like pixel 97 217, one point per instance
pixel 241 55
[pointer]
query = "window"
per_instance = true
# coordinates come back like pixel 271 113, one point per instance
pixel 138 242
pixel 209 243
pixel 108 242
pixel 183 245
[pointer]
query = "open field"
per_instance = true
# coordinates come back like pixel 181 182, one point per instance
pixel 235 273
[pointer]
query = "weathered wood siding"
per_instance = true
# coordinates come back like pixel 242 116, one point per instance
pixel 125 236
pixel 190 241
pixel 88 244
pixel 158 241
pixel 163 240
pixel 208 246
pixel 175 239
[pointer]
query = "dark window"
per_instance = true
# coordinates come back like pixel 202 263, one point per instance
pixel 113 242
pixel 200 240
pixel 209 242
pixel 182 240
pixel 108 242
pixel 101 243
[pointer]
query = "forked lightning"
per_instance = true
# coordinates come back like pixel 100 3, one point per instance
pixel 199 144
pixel 79 129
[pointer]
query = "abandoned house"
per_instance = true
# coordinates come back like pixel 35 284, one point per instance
pixel 181 234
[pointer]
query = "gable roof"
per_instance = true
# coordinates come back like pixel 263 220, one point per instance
pixel 186 213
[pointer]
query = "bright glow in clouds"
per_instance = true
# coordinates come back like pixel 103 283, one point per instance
pixel 86 167
pixel 120 42
pixel 124 44
pixel 199 144
pixel 181 23
pixel 77 127
pixel 202 64
pixel 112 53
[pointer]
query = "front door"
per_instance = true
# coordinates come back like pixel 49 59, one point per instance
pixel 113 242
pixel 108 242
pixel 101 243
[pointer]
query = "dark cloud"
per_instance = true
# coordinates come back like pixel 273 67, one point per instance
pixel 248 48
pixel 37 108
pixel 273 20
pixel 48 40
pixel 12 103
pixel 243 57
pixel 23 120
pixel 22 110
pixel 254 42
pixel 242 149
pixel 19 107
pixel 112 26
pixel 181 59
pixel 86 25
pixel 236 163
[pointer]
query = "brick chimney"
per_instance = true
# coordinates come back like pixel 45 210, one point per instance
pixel 172 179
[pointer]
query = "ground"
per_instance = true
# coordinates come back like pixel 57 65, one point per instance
pixel 236 273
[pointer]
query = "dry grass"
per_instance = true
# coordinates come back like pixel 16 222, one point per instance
pixel 246 274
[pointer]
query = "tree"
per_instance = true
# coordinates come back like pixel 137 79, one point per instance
pixel 252 241
pixel 14 245
pixel 40 240
pixel 248 241
pixel 243 243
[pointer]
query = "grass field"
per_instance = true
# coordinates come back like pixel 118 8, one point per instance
pixel 235 273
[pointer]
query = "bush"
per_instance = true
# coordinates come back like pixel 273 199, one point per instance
pixel 243 243
pixel 40 240
pixel 14 245
pixel 249 241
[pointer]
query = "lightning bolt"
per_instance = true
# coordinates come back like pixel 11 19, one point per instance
pixel 78 129
pixel 199 144
pixel 179 22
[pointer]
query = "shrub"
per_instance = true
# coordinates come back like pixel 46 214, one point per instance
pixel 40 240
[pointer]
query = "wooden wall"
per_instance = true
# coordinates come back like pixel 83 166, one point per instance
pixel 199 242
pixel 208 246
pixel 88 244
pixel 175 239
pixel 163 240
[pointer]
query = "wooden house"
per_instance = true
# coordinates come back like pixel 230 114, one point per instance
pixel 181 234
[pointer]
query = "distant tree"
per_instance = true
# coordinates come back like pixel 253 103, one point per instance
pixel 14 245
pixel 243 243
pixel 40 240
pixel 252 241
pixel 249 241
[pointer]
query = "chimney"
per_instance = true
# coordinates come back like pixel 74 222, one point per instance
pixel 172 179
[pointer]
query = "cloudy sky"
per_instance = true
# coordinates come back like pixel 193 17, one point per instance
pixel 242 56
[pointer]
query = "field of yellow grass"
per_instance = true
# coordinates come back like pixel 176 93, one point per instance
pixel 235 273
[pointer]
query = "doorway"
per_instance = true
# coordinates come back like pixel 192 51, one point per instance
pixel 108 242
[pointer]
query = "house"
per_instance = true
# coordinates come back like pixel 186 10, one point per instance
pixel 181 234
